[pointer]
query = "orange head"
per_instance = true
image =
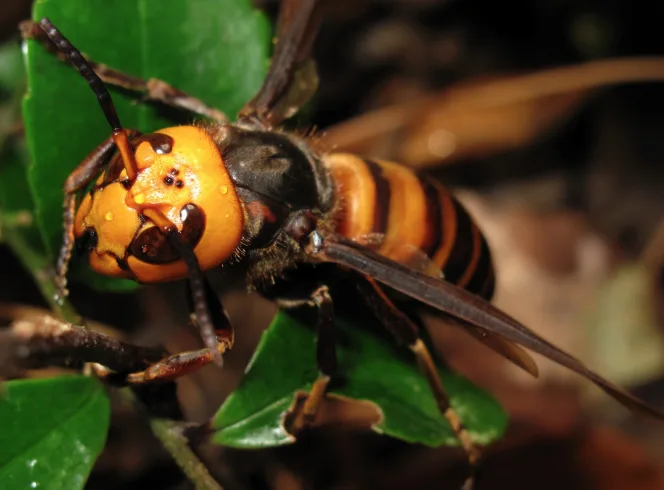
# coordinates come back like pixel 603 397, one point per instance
pixel 180 173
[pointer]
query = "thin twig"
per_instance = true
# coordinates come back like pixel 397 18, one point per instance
pixel 170 435
pixel 13 312
pixel 41 340
pixel 37 263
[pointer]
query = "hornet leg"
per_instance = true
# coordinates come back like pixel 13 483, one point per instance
pixel 188 362
pixel 326 356
pixel 152 89
pixel 405 331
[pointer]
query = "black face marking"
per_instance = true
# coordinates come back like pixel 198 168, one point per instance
pixel 122 264
pixel 194 223
pixel 161 143
pixel 153 247
pixel 170 178
pixel 88 241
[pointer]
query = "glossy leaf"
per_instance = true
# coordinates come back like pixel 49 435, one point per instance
pixel 53 430
pixel 216 50
pixel 16 203
pixel 12 85
pixel 372 369
pixel 14 194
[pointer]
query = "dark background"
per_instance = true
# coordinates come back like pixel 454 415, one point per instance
pixel 600 171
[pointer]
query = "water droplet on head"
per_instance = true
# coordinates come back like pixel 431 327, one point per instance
pixel 227 215
pixel 109 216
pixel 224 189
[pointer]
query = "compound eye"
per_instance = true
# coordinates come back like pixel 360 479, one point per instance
pixel 153 247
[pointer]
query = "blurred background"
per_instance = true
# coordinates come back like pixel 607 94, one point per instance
pixel 564 175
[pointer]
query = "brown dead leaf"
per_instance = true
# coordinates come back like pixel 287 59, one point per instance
pixel 336 410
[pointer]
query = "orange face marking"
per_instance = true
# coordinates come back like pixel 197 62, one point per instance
pixel 192 172
pixel 115 224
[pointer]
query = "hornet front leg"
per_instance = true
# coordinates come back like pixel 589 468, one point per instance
pixel 184 363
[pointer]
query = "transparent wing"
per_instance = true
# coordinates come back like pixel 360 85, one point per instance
pixel 292 78
pixel 462 305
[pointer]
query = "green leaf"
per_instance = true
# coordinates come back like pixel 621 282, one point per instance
pixel 12 86
pixel 15 195
pixel 373 369
pixel 12 162
pixel 16 203
pixel 53 430
pixel 216 50
pixel 12 75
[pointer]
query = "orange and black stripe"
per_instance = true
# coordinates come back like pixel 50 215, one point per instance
pixel 416 216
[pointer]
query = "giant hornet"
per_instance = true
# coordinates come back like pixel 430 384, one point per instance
pixel 174 203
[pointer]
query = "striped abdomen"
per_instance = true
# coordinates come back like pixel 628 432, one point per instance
pixel 421 224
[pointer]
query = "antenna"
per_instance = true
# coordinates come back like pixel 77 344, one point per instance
pixel 77 60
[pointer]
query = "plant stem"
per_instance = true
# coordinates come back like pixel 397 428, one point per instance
pixel 176 444
pixel 37 263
